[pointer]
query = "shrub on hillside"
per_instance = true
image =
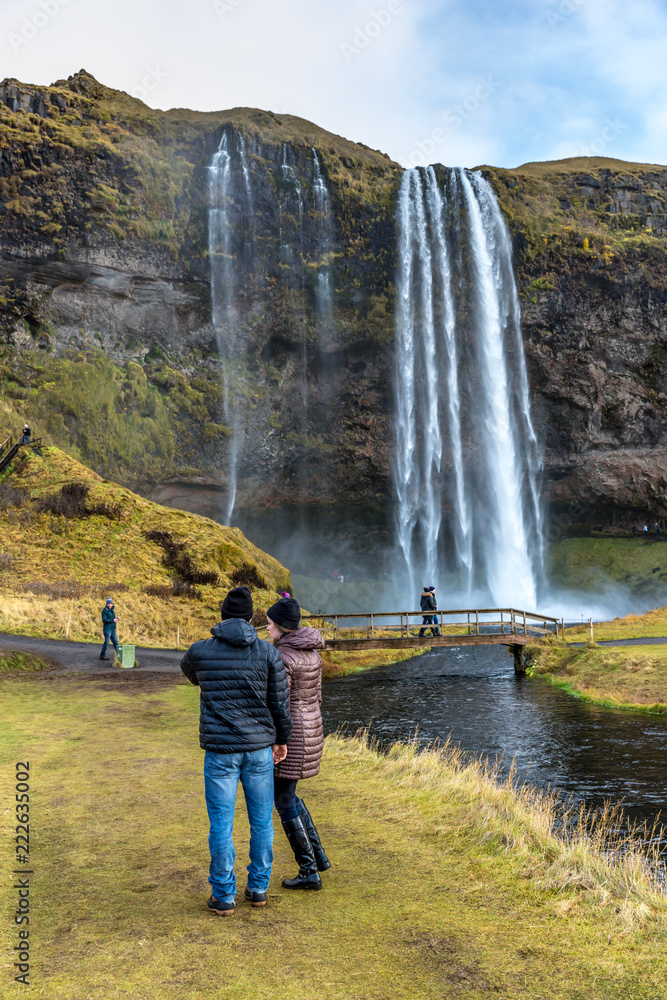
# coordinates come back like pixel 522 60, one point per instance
pixel 179 588
pixel 246 575
pixel 259 619
pixel 72 502
pixel 6 561
pixel 177 559
pixel 12 496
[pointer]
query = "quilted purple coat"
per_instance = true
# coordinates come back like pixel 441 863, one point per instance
pixel 303 667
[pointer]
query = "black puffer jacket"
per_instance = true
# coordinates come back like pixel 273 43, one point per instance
pixel 427 601
pixel 244 695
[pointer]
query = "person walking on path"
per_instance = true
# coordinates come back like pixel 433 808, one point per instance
pixel 109 619
pixel 428 604
pixel 244 726
pixel 26 434
pixel 298 648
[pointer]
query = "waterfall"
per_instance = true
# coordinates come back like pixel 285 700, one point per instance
pixel 325 243
pixel 467 463
pixel 222 220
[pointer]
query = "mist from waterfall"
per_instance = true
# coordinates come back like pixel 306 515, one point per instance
pixel 225 268
pixel 467 463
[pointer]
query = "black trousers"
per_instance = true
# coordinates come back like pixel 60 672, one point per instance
pixel 284 796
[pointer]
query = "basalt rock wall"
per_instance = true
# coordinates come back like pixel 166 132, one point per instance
pixel 105 307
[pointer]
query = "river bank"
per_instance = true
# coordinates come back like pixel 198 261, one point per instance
pixel 633 678
pixel 443 881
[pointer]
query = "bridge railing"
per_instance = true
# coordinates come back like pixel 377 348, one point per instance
pixel 406 624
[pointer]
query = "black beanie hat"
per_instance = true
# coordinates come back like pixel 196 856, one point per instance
pixel 285 613
pixel 237 604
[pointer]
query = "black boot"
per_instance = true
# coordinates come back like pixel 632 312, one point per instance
pixel 322 861
pixel 308 877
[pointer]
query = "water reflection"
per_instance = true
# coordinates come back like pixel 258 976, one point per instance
pixel 588 752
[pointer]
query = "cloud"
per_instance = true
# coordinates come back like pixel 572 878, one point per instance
pixel 455 81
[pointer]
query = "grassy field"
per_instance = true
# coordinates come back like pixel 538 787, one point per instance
pixel 444 883
pixel 652 624
pixel 592 564
pixel 630 677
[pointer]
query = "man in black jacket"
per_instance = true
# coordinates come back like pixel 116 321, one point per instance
pixel 244 726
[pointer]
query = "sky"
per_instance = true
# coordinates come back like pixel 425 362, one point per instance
pixel 459 82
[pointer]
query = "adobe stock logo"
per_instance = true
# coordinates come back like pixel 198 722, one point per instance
pixel 151 81
pixel 365 33
pixel 33 24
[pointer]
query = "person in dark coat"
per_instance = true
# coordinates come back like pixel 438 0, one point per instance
pixel 298 648
pixel 428 603
pixel 109 619
pixel 26 434
pixel 244 726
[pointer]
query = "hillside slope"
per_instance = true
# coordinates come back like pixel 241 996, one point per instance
pixel 61 558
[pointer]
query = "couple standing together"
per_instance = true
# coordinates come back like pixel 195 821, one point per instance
pixel 260 724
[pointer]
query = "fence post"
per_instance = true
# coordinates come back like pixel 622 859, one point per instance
pixel 477 621
pixel 591 625
pixel 562 628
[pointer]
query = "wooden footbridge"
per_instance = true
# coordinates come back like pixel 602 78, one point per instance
pixel 404 629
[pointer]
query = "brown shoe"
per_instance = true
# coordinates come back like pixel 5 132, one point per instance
pixel 222 909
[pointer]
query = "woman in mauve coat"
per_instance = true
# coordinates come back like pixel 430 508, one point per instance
pixel 298 648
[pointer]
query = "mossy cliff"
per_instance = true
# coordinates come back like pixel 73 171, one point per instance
pixel 105 306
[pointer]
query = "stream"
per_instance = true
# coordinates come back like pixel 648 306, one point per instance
pixel 590 753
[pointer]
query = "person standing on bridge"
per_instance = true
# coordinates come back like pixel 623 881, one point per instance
pixel 428 604
pixel 299 649
pixel 26 434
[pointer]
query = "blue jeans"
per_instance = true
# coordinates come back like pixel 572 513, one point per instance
pixel 222 772
pixel 109 637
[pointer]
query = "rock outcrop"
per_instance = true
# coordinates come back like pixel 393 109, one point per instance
pixel 105 307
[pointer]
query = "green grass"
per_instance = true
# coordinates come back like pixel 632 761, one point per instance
pixel 443 883
pixel 15 662
pixel 633 678
pixel 590 564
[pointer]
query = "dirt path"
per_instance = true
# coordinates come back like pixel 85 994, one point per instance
pixel 84 657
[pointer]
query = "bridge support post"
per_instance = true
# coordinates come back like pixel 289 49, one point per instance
pixel 519 662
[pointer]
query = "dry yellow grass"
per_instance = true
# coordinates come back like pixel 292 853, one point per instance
pixel 652 624
pixel 627 677
pixel 96 552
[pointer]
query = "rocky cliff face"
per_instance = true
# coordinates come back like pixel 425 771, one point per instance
pixel 110 350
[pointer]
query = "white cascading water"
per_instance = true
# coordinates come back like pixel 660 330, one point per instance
pixel 467 466
pixel 323 288
pixel 224 280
